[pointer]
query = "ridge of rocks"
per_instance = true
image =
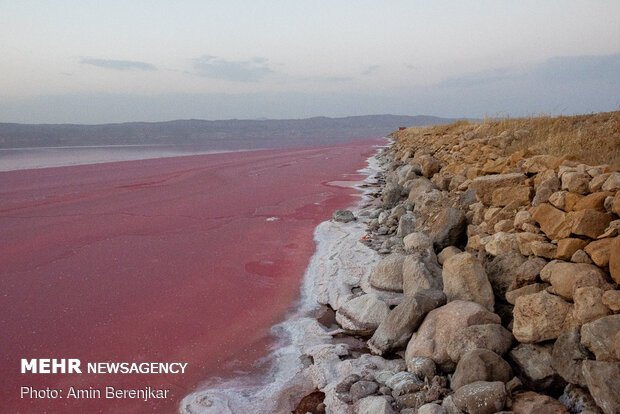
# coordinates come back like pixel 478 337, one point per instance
pixel 498 284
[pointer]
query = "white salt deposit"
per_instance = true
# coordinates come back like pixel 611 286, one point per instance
pixel 339 263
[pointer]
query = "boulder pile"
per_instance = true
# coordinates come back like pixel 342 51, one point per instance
pixel 498 284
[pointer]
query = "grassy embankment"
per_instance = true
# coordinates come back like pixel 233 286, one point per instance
pixel 593 139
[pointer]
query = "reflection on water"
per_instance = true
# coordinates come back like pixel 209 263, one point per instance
pixel 43 157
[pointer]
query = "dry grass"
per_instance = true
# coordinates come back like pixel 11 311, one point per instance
pixel 593 139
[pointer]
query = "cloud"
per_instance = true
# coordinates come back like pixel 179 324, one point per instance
pixel 329 79
pixel 370 70
pixel 557 70
pixel 118 64
pixel 252 70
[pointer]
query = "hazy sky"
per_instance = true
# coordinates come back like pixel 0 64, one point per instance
pixel 111 61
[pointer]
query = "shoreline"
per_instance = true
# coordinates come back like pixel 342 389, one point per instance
pixel 475 280
pixel 303 332
pixel 99 233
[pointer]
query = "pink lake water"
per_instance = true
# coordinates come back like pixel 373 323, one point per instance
pixel 183 259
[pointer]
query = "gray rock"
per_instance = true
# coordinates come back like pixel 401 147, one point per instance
pixel 345 385
pixel 404 383
pixel 414 400
pixel 464 278
pixel 397 327
pixel 374 405
pixel 527 273
pixel 391 194
pixel 449 405
pixel 432 338
pixel 533 366
pixel 467 198
pixel 603 380
pixel 363 389
pixel 382 376
pixel 481 397
pixel 578 400
pixel 568 356
pixel 406 225
pixel 383 390
pixel 432 409
pixel 493 337
pixel 417 241
pixel 421 367
pixel 343 216
pixel 417 277
pixel 480 365
pixel 388 273
pixel 502 271
pixel 602 338
pixel 448 228
pixel 363 314
pixel 418 187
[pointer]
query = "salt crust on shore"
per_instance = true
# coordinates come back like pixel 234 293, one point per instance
pixel 339 263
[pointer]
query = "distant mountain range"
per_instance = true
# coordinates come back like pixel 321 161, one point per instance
pixel 229 134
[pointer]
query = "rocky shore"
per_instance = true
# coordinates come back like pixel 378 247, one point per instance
pixel 481 280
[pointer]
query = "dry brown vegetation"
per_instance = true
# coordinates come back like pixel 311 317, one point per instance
pixel 593 139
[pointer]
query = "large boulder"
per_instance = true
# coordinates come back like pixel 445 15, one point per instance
pixel 448 228
pixel 602 337
pixel 363 314
pixel 432 338
pixel 566 277
pixel 599 251
pixel 552 221
pixel 464 278
pixel 532 403
pixel 533 365
pixel 481 397
pixel 343 216
pixel 511 296
pixel 603 383
pixel 391 194
pixel 589 223
pixel 480 365
pixel 576 182
pixel 568 355
pixel 397 327
pixel 486 185
pixel 428 164
pixel 504 270
pixel 502 243
pixel 406 225
pixel 388 273
pixel 568 247
pixel 520 195
pixel 492 336
pixel 374 405
pixel 612 183
pixel 419 186
pixel 417 277
pixel 528 272
pixel 540 316
pixel 589 305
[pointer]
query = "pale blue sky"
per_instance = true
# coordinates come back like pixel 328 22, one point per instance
pixel 113 61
